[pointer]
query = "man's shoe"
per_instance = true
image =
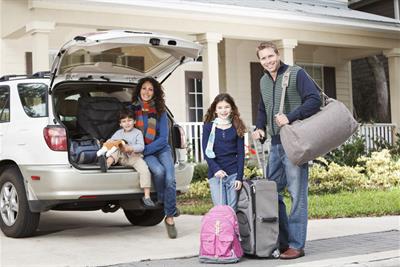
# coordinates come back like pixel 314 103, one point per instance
pixel 283 250
pixel 103 163
pixel 171 229
pixel 292 253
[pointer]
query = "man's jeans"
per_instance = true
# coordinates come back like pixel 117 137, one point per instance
pixel 229 194
pixel 292 230
pixel 162 168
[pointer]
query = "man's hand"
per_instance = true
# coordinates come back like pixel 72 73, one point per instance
pixel 220 174
pixel 281 120
pixel 258 134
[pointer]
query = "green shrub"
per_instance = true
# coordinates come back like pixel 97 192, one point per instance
pixel 198 190
pixel 348 153
pixel 200 172
pixel 393 149
pixel 333 178
pixel 377 172
pixel 251 171
pixel 381 170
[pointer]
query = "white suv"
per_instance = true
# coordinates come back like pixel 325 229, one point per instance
pixel 41 129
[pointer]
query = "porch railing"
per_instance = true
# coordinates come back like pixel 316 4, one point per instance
pixel 371 133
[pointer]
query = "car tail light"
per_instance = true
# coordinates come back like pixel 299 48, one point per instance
pixel 56 138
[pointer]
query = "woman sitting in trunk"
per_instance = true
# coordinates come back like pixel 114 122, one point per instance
pixel 148 103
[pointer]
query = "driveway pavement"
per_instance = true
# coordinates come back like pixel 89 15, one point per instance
pixel 96 239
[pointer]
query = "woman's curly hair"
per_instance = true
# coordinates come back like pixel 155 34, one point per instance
pixel 235 115
pixel 158 97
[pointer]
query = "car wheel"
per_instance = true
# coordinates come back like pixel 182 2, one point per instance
pixel 145 217
pixel 16 218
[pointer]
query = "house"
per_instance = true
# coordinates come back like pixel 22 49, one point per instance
pixel 370 75
pixel 323 36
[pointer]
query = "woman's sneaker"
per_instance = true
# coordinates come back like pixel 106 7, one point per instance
pixel 148 202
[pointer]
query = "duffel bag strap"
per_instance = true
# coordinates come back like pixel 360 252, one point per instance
pixel 285 83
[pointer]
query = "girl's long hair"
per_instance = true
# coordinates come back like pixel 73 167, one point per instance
pixel 158 97
pixel 235 115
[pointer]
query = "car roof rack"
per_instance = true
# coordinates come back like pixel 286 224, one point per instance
pixel 37 75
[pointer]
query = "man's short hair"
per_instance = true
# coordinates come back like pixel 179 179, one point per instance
pixel 268 44
pixel 126 113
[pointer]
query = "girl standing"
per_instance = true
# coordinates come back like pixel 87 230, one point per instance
pixel 223 147
pixel 148 103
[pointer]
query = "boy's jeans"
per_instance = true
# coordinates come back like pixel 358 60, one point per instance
pixel 229 194
pixel 162 167
pixel 292 230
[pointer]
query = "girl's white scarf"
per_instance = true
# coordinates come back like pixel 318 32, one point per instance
pixel 210 144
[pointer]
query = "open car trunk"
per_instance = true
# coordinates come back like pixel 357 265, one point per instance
pixel 90 113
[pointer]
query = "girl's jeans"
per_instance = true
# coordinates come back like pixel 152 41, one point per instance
pixel 229 194
pixel 292 229
pixel 162 168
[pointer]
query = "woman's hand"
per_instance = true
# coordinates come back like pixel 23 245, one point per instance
pixel 220 174
pixel 238 185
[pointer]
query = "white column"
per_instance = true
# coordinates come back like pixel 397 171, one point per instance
pixel 393 56
pixel 39 31
pixel 210 66
pixel 285 47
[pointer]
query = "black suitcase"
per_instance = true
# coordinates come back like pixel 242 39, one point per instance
pixel 99 116
pixel 258 216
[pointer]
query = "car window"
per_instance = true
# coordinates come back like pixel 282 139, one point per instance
pixel 139 59
pixel 4 104
pixel 33 98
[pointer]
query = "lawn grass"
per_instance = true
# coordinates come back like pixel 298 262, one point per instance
pixel 344 204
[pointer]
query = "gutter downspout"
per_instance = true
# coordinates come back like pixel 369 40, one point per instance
pixel 396 9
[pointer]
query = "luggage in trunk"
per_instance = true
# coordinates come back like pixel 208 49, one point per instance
pixel 83 150
pixel 99 116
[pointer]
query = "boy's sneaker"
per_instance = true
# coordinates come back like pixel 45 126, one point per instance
pixel 148 202
pixel 103 163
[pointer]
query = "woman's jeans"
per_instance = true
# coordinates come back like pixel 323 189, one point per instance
pixel 292 229
pixel 162 168
pixel 229 194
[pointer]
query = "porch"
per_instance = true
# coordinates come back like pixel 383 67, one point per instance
pixel 371 133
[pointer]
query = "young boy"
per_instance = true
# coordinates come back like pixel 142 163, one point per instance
pixel 131 153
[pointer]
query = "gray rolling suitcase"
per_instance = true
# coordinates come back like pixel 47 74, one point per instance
pixel 258 217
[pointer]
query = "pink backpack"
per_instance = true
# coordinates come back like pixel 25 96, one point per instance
pixel 219 236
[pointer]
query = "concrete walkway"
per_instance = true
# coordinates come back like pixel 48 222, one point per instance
pixel 98 239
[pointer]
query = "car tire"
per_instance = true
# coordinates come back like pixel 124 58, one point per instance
pixel 16 219
pixel 148 217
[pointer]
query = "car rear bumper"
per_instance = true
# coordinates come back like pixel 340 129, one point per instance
pixel 63 182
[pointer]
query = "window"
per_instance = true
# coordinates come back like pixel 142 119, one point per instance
pixel 33 98
pixel 315 71
pixel 4 104
pixel 194 89
pixel 324 76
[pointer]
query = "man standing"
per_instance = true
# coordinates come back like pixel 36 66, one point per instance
pixel 301 101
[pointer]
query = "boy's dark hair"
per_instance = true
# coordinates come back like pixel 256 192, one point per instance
pixel 126 113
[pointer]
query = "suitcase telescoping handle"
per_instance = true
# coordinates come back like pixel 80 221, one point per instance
pixel 220 191
pixel 261 162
